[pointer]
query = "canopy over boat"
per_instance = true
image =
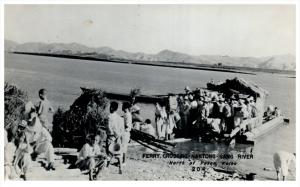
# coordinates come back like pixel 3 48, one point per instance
pixel 239 85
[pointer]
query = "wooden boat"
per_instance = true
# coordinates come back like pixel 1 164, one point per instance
pixel 236 86
pixel 139 98
pixel 263 129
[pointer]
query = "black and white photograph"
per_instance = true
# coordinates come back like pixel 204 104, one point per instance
pixel 149 92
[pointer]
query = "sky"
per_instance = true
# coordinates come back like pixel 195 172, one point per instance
pixel 234 30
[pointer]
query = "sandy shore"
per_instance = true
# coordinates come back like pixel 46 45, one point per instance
pixel 136 168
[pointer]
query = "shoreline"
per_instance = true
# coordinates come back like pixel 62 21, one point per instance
pixel 135 169
pixel 144 63
pixel 182 65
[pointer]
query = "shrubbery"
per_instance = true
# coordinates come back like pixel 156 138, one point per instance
pixel 86 116
pixel 14 106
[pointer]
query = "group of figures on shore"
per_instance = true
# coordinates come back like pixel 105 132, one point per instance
pixel 33 138
pixel 192 114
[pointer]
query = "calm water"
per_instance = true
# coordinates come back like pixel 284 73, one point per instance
pixel 64 77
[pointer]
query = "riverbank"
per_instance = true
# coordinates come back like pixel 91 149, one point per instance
pixel 136 168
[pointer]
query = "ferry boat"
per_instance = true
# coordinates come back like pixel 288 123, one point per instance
pixel 237 86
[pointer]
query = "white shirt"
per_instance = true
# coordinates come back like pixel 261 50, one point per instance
pixel 45 135
pixel 33 132
pixel 86 151
pixel 89 151
pixel 115 125
pixel 128 121
pixel 9 152
pixel 44 109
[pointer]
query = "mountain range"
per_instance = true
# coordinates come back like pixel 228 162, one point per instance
pixel 279 62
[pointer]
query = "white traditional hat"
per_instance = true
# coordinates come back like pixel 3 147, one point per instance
pixel 194 104
pixel 28 107
pixel 135 108
pixel 271 108
pixel 23 123
pixel 187 89
pixel 221 99
pixel 206 99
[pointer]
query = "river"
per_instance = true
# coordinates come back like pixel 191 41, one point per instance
pixel 64 77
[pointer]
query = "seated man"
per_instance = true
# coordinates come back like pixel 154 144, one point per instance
pixel 277 112
pixel 148 128
pixel 90 157
pixel 38 136
pixel 269 113
pixel 22 160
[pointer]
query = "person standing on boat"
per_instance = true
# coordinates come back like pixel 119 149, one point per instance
pixel 180 124
pixel 197 124
pixel 186 117
pixel 128 125
pixel 240 113
pixel 204 114
pixel 158 119
pixel 254 112
pixel 227 117
pixel 170 125
pixel 251 114
pixel 162 122
pixel 173 103
pixel 214 110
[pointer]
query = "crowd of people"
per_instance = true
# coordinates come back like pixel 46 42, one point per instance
pixel 201 111
pixel 190 115
pixel 32 138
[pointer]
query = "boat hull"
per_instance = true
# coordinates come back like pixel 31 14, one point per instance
pixel 139 98
pixel 263 129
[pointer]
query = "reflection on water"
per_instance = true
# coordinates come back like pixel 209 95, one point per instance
pixel 63 77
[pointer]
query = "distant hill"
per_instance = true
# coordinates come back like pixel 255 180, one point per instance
pixel 10 45
pixel 285 62
pixel 280 62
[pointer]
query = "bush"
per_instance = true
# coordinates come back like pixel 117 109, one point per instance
pixel 14 106
pixel 86 116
